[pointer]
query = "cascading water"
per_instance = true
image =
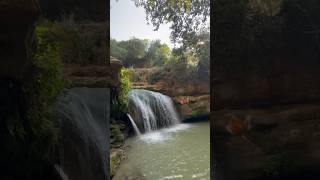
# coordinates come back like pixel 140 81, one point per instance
pixel 83 128
pixel 151 110
pixel 136 130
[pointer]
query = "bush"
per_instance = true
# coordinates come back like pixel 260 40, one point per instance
pixel 120 103
pixel 157 75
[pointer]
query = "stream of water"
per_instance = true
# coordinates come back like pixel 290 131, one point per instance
pixel 179 152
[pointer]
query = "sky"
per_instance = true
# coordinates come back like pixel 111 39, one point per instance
pixel 127 20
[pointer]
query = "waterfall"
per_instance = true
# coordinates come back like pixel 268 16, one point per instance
pixel 84 130
pixel 136 130
pixel 151 110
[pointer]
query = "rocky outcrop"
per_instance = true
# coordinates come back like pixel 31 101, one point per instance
pixel 192 106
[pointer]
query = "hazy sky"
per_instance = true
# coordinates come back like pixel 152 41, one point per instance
pixel 127 21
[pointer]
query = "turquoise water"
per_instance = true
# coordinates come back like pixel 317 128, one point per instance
pixel 179 152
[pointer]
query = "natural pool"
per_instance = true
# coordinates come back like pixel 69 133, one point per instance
pixel 178 152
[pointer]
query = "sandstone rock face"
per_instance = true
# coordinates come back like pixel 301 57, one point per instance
pixel 17 18
pixel 192 106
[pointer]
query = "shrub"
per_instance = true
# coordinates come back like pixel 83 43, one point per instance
pixel 120 103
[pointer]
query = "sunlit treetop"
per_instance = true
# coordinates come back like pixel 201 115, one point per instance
pixel 187 17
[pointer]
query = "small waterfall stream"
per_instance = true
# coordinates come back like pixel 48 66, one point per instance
pixel 136 130
pixel 151 110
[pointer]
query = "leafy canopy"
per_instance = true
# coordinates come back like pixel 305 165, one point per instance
pixel 187 17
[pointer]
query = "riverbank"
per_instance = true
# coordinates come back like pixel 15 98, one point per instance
pixel 120 130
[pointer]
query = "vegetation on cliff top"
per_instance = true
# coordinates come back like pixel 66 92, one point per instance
pixel 178 64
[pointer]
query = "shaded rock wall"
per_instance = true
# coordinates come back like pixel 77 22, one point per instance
pixel 265 66
pixel 263 59
pixel 17 39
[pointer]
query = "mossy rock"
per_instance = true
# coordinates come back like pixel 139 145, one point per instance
pixel 116 136
pixel 115 160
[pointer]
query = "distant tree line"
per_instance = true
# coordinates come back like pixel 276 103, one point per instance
pixel 140 52
pixel 152 53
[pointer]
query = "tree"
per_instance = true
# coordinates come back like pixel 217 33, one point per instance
pixel 203 54
pixel 158 54
pixel 187 17
pixel 135 50
pixel 130 52
pixel 117 51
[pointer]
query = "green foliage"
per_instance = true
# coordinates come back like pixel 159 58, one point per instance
pixel 80 44
pixel 187 17
pixel 120 103
pixel 139 76
pixel 131 52
pixel 114 164
pixel 117 51
pixel 157 75
pixel 179 64
pixel 116 136
pixel 125 88
pixel 158 54
pixel 135 49
pixel 203 54
pixel 44 89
